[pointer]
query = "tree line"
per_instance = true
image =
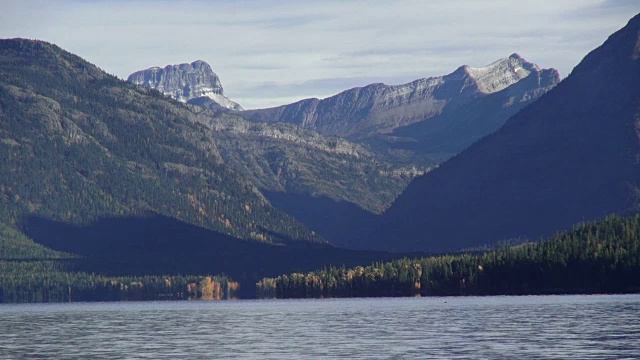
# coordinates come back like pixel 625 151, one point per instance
pixel 50 281
pixel 593 257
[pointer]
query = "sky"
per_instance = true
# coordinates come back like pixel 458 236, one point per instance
pixel 269 53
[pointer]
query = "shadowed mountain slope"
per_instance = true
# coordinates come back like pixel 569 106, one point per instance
pixel 571 156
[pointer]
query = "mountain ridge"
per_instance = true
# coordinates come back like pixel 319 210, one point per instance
pixel 376 113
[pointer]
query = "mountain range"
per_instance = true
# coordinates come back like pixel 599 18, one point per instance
pixel 434 117
pixel 571 156
pixel 384 135
pixel 282 158
pixel 161 173
pixel 429 120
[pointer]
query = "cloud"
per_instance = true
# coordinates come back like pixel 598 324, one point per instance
pixel 624 5
pixel 271 51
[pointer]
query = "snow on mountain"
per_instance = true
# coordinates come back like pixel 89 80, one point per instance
pixel 437 115
pixel 185 82
pixel 501 74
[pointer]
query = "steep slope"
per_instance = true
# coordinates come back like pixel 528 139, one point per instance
pixel 569 157
pixel 283 158
pixel 444 108
pixel 78 145
pixel 194 83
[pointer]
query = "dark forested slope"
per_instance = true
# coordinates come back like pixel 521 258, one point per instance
pixel 596 257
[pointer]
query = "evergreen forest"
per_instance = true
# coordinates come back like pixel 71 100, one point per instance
pixel 594 257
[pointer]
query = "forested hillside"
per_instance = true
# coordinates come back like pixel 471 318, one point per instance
pixel 101 179
pixel 595 257
pixel 78 145
pixel 30 272
pixel 53 281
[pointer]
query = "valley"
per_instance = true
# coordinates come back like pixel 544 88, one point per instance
pixel 108 187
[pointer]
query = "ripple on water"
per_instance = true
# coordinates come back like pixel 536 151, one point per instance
pixel 479 327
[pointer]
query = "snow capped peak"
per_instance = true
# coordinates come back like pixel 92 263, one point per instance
pixel 184 82
pixel 500 74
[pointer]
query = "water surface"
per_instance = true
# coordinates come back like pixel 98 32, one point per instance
pixel 544 327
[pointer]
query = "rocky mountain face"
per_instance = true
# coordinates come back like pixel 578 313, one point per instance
pixel 571 156
pixel 439 115
pixel 282 158
pixel 193 83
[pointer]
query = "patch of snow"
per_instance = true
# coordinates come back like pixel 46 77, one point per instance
pixel 223 101
pixel 501 74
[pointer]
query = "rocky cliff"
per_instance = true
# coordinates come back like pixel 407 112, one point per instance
pixel 193 83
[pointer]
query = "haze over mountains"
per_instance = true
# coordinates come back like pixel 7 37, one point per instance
pixel 286 159
pixel 569 157
pixel 492 197
pixel 424 121
pixel 415 125
pixel 283 158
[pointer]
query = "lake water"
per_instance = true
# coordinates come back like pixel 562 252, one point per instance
pixel 552 327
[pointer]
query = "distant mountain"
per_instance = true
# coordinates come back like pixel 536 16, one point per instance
pixel 572 156
pixel 439 116
pixel 193 83
pixel 78 145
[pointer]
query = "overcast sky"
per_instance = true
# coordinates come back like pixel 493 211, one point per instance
pixel 270 53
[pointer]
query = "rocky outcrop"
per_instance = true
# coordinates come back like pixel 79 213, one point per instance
pixel 194 83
